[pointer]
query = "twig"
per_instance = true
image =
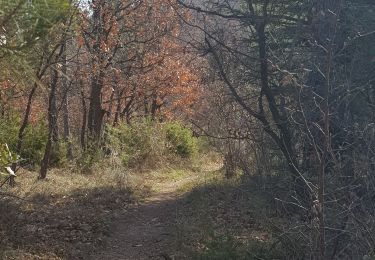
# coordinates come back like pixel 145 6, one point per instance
pixel 2 184
pixel 13 196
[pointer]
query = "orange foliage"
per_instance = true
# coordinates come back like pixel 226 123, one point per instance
pixel 142 59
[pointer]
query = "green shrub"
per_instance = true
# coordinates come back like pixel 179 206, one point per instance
pixel 148 142
pixel 181 140
pixel 58 154
pixel 138 143
pixel 34 141
pixel 9 131
pixel 88 158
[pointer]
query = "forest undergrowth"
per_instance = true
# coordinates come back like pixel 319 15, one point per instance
pixel 69 215
pixel 229 219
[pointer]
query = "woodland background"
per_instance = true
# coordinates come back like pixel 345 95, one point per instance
pixel 281 91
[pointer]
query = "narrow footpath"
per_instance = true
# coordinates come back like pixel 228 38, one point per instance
pixel 147 230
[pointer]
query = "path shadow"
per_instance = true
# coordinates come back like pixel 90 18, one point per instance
pixel 46 227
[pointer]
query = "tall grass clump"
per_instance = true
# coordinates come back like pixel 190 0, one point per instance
pixel 141 142
pixel 149 143
pixel 181 140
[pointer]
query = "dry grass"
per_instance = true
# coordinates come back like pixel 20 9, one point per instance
pixel 63 217
pixel 226 219
pixel 69 214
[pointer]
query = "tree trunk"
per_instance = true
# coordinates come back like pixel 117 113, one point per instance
pixel 284 141
pixel 52 120
pixel 95 115
pixel 126 113
pixel 145 106
pixel 65 105
pixel 84 118
pixel 324 28
pixel 118 107
pixel 109 113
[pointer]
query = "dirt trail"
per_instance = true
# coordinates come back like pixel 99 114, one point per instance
pixel 146 231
